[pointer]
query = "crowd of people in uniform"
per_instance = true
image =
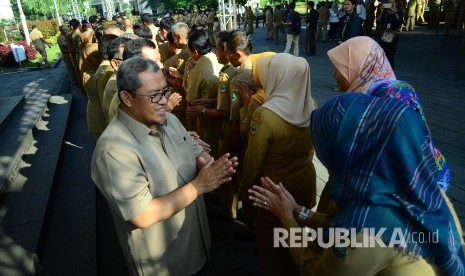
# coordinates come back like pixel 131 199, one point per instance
pixel 173 120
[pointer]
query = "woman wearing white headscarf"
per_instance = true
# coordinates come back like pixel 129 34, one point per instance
pixel 280 146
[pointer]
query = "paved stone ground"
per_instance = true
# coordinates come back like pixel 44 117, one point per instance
pixel 425 60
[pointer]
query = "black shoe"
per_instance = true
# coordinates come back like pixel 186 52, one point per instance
pixel 39 65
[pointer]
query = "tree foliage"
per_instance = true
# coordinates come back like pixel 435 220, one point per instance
pixel 182 4
pixel 39 9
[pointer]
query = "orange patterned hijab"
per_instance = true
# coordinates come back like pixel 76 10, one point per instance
pixel 361 61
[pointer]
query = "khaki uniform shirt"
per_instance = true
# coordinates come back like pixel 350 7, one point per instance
pixel 131 165
pixel 361 261
pixel 109 91
pixel 280 151
pixel 381 261
pixel 113 108
pixel 76 41
pixel 243 76
pixel 246 117
pixel 224 103
pixel 86 37
pixel 89 61
pixel 69 42
pixel 178 61
pixel 95 88
pixel 164 52
pixel 102 75
pixel 96 119
pixel 61 41
pixel 278 16
pixel 202 79
pixel 202 82
pixel 227 73
pixel 36 38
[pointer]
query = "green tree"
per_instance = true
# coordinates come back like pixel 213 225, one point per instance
pixel 182 4
pixel 14 7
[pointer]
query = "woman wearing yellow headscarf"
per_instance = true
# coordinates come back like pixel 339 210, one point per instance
pixel 250 99
pixel 280 147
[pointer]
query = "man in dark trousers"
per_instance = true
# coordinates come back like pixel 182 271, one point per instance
pixel 38 41
pixel 312 24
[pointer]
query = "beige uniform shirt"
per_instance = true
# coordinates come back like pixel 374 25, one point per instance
pixel 113 108
pixel 202 82
pixel 224 103
pixel 243 76
pixel 96 119
pixel 227 73
pixel 89 61
pixel 131 165
pixel 109 91
pixel 102 75
pixel 36 35
pixel 164 52
pixel 202 79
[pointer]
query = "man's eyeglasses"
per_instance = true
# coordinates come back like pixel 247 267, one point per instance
pixel 156 97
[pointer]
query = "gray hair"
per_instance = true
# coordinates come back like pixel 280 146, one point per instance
pixel 127 76
pixel 180 28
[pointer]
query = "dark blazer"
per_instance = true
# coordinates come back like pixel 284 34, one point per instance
pixel 352 24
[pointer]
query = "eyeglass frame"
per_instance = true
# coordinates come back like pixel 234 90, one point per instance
pixel 165 92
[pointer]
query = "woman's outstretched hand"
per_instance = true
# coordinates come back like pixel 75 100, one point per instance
pixel 273 198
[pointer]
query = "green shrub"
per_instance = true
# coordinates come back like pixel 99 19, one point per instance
pixel 48 28
pixel 15 35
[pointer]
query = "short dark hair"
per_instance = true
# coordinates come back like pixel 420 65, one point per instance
pixel 198 40
pixel 113 48
pixel 311 4
pixel 143 32
pixel 166 23
pixel 93 19
pixel 146 18
pixel 170 38
pixel 98 33
pixel 239 40
pixel 74 23
pixel 104 43
pixel 33 26
pixel 223 37
pixel 62 28
pixel 134 47
pixel 127 76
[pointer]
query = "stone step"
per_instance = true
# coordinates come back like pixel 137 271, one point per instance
pixel 68 238
pixel 17 137
pixel 33 148
pixel 10 106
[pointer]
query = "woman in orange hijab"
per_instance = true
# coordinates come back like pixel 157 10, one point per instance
pixel 359 62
